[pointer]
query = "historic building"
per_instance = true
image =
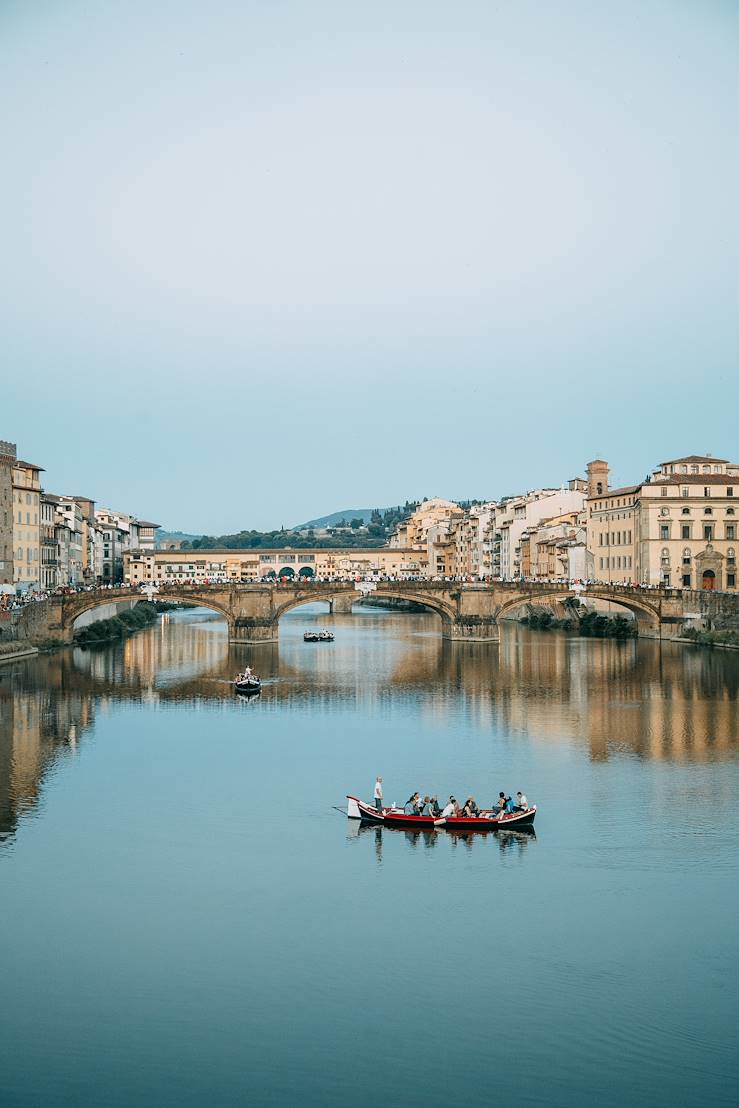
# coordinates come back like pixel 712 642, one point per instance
pixel 678 528
pixel 26 525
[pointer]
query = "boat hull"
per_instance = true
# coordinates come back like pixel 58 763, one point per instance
pixel 247 689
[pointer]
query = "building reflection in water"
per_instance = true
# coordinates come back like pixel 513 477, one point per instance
pixel 670 702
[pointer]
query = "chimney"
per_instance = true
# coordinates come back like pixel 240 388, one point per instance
pixel 597 477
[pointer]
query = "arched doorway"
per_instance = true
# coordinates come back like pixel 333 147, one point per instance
pixel 305 571
pixel 286 571
pixel 269 575
pixel 709 579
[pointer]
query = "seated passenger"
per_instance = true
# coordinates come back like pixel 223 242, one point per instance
pixel 510 807
pixel 449 809
pixel 435 809
pixel 470 808
pixel 500 803
pixel 411 805
pixel 522 804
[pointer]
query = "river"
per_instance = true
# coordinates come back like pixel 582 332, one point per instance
pixel 187 919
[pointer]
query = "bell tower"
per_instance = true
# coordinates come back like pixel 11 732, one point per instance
pixel 597 477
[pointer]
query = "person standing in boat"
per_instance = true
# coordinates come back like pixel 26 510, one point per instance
pixel 378 794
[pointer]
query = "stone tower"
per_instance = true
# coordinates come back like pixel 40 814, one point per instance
pixel 7 461
pixel 597 477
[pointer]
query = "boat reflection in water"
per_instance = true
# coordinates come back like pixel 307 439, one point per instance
pixel 513 840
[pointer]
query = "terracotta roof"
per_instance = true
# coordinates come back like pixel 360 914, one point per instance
pixel 697 458
pixel 617 492
pixel 145 523
pixel 29 465
pixel 696 479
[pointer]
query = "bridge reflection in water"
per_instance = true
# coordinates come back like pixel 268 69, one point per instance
pixel 664 702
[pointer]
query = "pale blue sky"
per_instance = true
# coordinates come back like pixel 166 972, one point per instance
pixel 266 260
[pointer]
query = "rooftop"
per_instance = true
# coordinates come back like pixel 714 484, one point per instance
pixel 29 465
pixel 697 458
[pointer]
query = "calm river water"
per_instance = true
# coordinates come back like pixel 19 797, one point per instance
pixel 187 920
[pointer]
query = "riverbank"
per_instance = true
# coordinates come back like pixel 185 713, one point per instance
pixel 9 651
pixel 118 627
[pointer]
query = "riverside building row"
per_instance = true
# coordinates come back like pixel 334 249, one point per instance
pixel 678 528
pixel 49 541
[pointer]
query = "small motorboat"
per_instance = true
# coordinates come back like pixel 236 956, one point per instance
pixel 318 636
pixel 489 819
pixel 247 682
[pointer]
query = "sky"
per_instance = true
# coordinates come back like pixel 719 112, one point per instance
pixel 261 261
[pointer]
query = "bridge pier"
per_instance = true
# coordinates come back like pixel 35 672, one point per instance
pixel 341 605
pixel 253 631
pixel 470 629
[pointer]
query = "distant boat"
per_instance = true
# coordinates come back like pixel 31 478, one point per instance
pixel 318 636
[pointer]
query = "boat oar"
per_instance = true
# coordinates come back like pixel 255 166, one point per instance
pixel 439 822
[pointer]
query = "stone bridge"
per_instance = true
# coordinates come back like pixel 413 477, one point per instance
pixel 469 612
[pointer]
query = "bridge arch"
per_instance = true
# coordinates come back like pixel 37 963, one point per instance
pixel 347 597
pixel 647 615
pixel 81 603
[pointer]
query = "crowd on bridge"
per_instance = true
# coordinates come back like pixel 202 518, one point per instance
pixel 11 601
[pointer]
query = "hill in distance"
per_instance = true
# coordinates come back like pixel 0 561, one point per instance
pixel 176 536
pixel 335 517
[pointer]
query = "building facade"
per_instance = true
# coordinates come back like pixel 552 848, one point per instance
pixel 677 529
pixel 26 525
pixel 7 461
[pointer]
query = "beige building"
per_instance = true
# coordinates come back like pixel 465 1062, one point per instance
pixel 26 525
pixel 413 532
pixel 678 529
pixel 213 566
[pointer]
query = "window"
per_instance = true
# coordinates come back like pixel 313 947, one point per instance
pixel 686 511
pixel 708 511
pixel 708 532
pixel 685 492
pixel 706 469
pixel 686 580
pixel 694 469
pixel 731 580
pixel 730 531
pixel 706 490
pixel 664 531
pixel 663 490
pixel 685 531
pixel 730 512
pixel 730 490
pixel 717 469
pixel 683 469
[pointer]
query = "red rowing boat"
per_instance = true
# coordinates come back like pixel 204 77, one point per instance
pixel 488 819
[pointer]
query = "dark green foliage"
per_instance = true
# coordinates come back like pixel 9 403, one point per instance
pixel 107 630
pixel 711 638
pixel 592 625
pixel 541 619
pixel 597 626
